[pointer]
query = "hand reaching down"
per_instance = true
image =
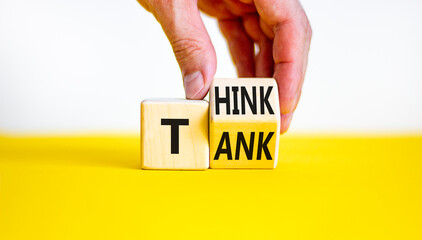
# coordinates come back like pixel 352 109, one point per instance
pixel 278 28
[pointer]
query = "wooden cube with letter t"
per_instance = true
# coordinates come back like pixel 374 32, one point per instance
pixel 244 123
pixel 174 134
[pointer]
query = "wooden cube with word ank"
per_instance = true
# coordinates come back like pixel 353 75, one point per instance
pixel 244 123
pixel 174 134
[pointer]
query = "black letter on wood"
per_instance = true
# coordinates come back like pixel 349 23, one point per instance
pixel 262 145
pixel 224 138
pixel 174 123
pixel 219 100
pixel 264 100
pixel 252 103
pixel 235 107
pixel 248 151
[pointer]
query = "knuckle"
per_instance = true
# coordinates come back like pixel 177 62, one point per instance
pixel 187 48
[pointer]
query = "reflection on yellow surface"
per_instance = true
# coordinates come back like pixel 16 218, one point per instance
pixel 323 188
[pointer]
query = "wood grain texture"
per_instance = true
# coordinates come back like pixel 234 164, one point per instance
pixel 244 128
pixel 157 151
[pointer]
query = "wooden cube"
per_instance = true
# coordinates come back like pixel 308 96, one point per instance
pixel 244 123
pixel 174 134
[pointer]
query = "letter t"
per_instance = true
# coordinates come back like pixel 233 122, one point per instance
pixel 174 123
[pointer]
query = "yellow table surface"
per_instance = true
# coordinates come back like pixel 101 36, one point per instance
pixel 325 187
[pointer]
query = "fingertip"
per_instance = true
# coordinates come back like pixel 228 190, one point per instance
pixel 289 91
pixel 209 69
pixel 288 104
pixel 197 84
pixel 193 83
pixel 285 121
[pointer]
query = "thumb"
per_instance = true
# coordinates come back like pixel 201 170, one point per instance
pixel 191 43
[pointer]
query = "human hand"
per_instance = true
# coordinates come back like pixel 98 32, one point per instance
pixel 279 28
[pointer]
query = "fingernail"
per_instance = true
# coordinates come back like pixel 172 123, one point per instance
pixel 194 83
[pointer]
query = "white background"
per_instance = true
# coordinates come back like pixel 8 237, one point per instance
pixel 85 65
